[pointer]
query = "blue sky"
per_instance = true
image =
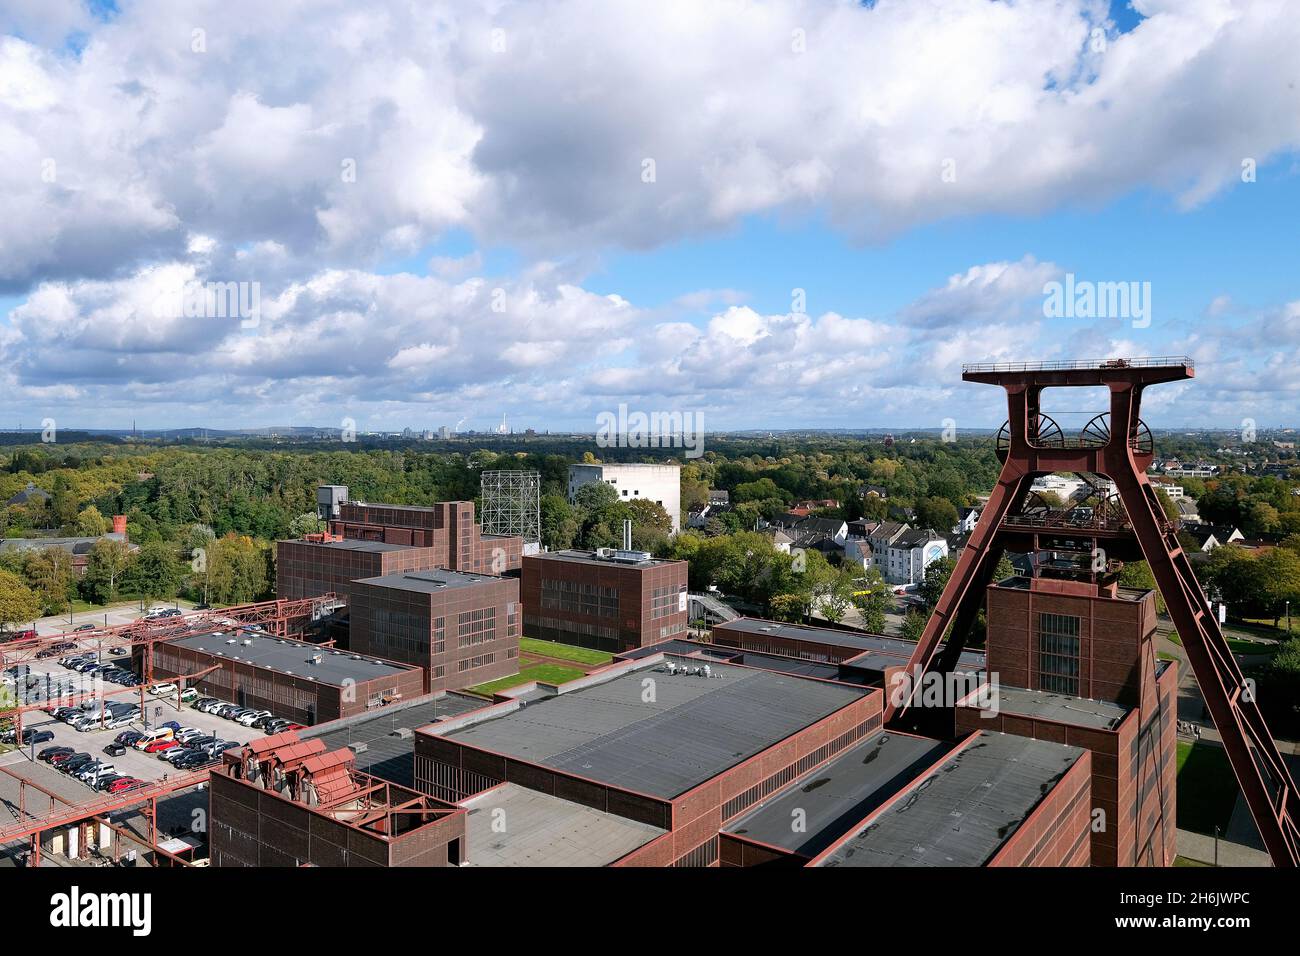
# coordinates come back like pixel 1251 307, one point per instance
pixel 443 214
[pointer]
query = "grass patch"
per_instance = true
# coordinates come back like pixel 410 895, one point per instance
pixel 1161 655
pixel 565 652
pixel 1207 789
pixel 1184 861
pixel 547 673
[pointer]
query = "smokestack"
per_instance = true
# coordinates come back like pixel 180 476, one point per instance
pixel 627 534
pixel 119 524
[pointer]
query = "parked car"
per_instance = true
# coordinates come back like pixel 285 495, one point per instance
pixel 189 695
pixel 188 735
pixel 125 784
pixel 252 717
pixel 107 780
pixel 37 737
pixel 115 749
pixel 48 753
pixel 160 746
pixel 171 725
pixel 152 737
pixel 83 627
pixel 158 690
pixel 117 651
pixel 128 737
pixel 202 743
pixel 58 759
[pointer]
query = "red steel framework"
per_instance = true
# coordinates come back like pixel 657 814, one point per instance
pixel 276 617
pixel 1117 446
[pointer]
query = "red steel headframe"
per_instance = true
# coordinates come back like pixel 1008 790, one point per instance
pixel 1123 457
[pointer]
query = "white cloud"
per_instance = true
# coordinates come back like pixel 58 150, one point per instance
pixel 346 134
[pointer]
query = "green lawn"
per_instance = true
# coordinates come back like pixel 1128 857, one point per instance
pixel 1237 645
pixel 546 673
pixel 1207 789
pixel 565 652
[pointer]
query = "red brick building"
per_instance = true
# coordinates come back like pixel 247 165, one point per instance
pixel 748 732
pixel 1021 802
pixel 307 568
pixel 609 600
pixel 290 803
pixel 462 629
pixel 301 682
pixel 447 527
pixel 1075 664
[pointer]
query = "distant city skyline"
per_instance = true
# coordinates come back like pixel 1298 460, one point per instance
pixel 444 214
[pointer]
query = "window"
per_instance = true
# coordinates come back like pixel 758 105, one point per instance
pixel 1058 653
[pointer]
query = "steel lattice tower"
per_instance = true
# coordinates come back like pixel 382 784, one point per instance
pixel 1115 445
pixel 512 504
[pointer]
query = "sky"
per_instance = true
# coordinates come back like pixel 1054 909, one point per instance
pixel 808 214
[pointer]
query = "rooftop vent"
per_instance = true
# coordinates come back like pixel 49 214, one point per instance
pixel 403 733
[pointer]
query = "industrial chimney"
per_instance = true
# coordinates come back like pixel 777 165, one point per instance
pixel 627 534
pixel 119 524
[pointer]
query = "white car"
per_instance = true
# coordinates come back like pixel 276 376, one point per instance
pixel 158 690
pixel 253 717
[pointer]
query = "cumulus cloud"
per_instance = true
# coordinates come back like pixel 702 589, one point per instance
pixel 302 147
pixel 346 132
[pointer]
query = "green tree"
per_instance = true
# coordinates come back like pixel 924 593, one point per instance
pixel 871 598
pixel 49 574
pixel 153 572
pixel 560 524
pixel 936 513
pixel 936 578
pixel 914 624
pixel 238 570
pixel 91 523
pixel 308 522
pixel 105 565
pixel 19 604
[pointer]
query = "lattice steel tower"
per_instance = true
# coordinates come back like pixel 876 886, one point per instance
pixel 1118 446
pixel 512 504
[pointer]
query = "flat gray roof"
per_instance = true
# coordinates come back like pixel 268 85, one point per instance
pixel 428 582
pixel 388 755
pixel 693 729
pixel 864 643
pixel 589 557
pixel 1101 714
pixel 964 812
pixel 831 799
pixel 537 829
pixel 771 662
pixel 290 657
pixel 353 544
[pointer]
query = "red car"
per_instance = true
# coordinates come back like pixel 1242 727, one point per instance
pixel 59 758
pixel 158 746
pixel 126 783
pixel 296 727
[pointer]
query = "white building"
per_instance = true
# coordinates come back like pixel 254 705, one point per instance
pixel 661 484
pixel 900 553
pixel 910 554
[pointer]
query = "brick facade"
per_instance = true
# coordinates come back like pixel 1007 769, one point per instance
pixel 575 598
pixel 461 636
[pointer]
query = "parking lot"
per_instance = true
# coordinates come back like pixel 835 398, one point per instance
pixel 134 763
